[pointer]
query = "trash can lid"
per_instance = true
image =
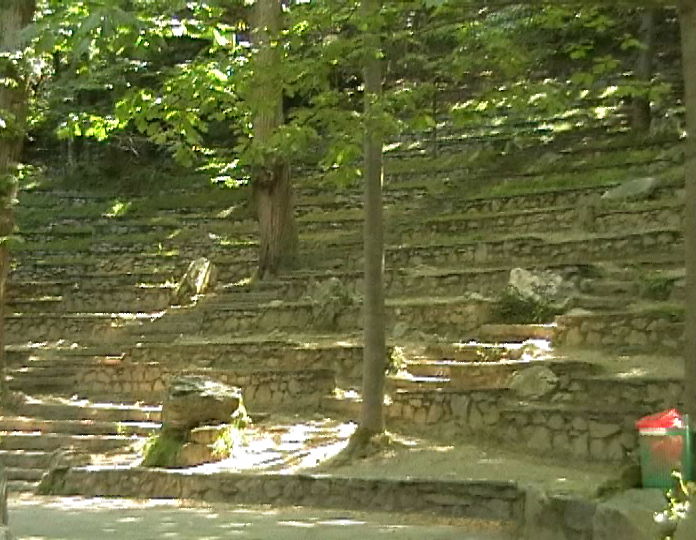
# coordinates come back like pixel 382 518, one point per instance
pixel 671 418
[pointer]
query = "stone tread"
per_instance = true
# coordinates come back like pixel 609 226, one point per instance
pixel 27 459
pixel 77 427
pixel 22 486
pixel 515 332
pixel 15 440
pixel 26 474
pixel 57 409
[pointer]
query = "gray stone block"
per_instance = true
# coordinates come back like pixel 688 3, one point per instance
pixel 629 515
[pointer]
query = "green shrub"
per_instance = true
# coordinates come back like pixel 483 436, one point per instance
pixel 513 308
pixel 162 450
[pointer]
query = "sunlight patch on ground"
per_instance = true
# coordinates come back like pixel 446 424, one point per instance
pixel 286 447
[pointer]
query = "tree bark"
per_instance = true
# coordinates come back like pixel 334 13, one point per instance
pixel 641 115
pixel 14 16
pixel 687 21
pixel 374 351
pixel 271 186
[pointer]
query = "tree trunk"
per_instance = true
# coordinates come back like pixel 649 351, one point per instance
pixel 14 16
pixel 687 21
pixel 641 113
pixel 271 186
pixel 372 414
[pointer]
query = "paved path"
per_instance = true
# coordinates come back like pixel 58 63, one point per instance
pixel 69 518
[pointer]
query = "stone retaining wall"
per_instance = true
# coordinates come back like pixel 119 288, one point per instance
pixel 451 317
pixel 345 361
pixel 548 199
pixel 532 249
pixel 261 389
pixel 50 327
pixel 554 429
pixel 641 331
pixel 127 299
pixel 598 219
pixel 475 499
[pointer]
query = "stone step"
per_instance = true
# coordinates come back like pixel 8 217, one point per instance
pixel 452 316
pixel 24 474
pixel 62 409
pixel 493 375
pixel 77 427
pixel 503 333
pixel 113 281
pixel 14 440
pixel 43 385
pixel 22 486
pixel 658 327
pixel 36 304
pixel 608 302
pixel 603 219
pixel 502 500
pixel 344 407
pixel 340 353
pixel 406 382
pixel 611 287
pixel 40 327
pixel 586 432
pixel 622 389
pixel 25 459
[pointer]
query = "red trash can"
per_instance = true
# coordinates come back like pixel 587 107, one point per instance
pixel 665 446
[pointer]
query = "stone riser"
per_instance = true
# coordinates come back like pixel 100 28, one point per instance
pixel 585 434
pixel 50 328
pixel 550 199
pixel 345 362
pixel 525 251
pixel 73 267
pixel 77 427
pixel 240 263
pixel 604 438
pixel 454 318
pixel 655 395
pixel 646 332
pixel 485 500
pixel 535 250
pixel 51 441
pixel 125 300
pixel 27 460
pixel 554 220
pixel 136 413
pixel 261 389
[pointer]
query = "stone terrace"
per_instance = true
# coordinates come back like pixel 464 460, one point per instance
pixel 93 337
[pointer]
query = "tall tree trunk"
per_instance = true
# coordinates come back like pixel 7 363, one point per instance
pixel 687 21
pixel 272 189
pixel 641 114
pixel 14 16
pixel 372 414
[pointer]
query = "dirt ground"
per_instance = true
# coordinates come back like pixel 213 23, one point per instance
pixel 69 518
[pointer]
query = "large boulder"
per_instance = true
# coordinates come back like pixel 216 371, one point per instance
pixel 5 533
pixel 629 515
pixel 193 401
pixel 633 190
pixel 533 383
pixel 542 287
pixel 199 275
pixel 686 529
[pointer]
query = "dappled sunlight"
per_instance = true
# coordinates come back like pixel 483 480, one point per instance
pixel 285 446
pixel 77 518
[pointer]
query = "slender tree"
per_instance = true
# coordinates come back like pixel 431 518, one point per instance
pixel 272 189
pixel 641 113
pixel 372 415
pixel 687 21
pixel 14 16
